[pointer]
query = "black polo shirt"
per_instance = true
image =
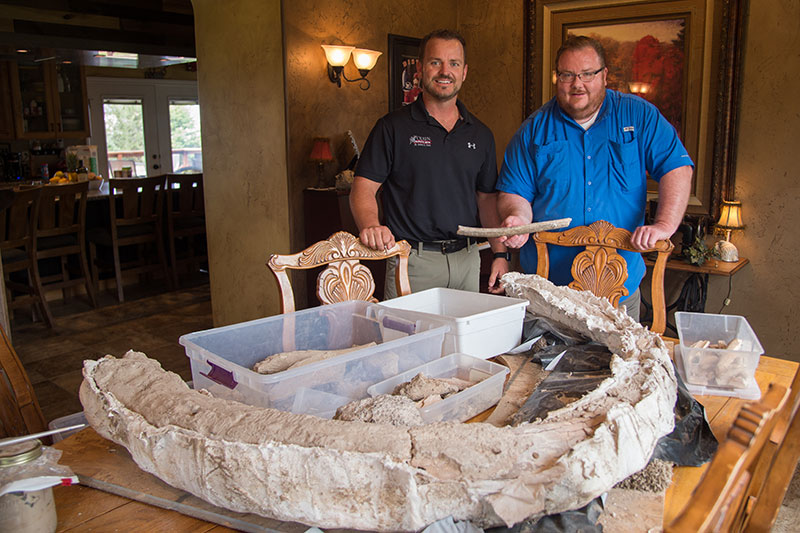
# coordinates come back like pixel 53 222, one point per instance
pixel 429 175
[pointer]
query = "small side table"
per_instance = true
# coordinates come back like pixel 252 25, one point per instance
pixel 697 281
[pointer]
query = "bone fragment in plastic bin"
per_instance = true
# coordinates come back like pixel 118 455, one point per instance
pixel 726 369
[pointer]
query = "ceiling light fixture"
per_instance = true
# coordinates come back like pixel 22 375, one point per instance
pixel 339 55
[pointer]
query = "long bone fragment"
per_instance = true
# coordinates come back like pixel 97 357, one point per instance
pixel 545 225
pixel 369 476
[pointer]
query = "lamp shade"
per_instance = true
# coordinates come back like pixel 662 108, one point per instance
pixel 321 151
pixel 365 59
pixel 337 55
pixel 730 216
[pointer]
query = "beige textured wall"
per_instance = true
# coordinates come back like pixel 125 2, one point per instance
pixel 767 291
pixel 240 83
pixel 493 90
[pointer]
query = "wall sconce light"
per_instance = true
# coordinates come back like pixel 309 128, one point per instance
pixel 730 218
pixel 321 154
pixel 639 88
pixel 338 56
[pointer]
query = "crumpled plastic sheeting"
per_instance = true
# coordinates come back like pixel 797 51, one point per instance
pixel 41 473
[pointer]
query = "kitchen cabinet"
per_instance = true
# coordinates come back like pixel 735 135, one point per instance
pixel 49 100
pixel 6 109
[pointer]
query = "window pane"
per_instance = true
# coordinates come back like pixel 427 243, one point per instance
pixel 125 136
pixel 184 130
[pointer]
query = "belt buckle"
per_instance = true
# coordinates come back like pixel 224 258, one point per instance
pixel 444 247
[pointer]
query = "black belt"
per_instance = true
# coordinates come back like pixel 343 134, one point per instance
pixel 445 247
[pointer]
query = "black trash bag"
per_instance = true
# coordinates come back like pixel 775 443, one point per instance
pixel 583 520
pixel 580 370
pixel 691 443
pixel 552 333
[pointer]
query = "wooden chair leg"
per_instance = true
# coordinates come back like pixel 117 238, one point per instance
pixel 64 276
pixel 118 273
pixel 88 281
pixel 93 267
pixel 162 256
pixel 39 292
pixel 173 260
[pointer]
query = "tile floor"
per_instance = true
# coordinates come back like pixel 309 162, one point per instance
pixel 149 321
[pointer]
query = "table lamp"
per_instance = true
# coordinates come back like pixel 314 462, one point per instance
pixel 730 218
pixel 321 154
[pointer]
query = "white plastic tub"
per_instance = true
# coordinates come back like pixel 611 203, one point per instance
pixel 707 370
pixel 486 392
pixel 222 358
pixel 482 325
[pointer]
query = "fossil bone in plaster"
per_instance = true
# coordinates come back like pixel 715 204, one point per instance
pixel 380 477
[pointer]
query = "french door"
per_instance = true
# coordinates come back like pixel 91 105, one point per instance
pixel 144 127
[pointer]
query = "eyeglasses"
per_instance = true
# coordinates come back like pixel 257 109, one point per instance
pixel 585 77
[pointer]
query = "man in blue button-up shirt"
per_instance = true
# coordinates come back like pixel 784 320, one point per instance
pixel 586 154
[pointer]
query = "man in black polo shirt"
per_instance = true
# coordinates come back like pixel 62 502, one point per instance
pixel 437 165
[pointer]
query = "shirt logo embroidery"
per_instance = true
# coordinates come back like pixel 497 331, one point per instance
pixel 472 145
pixel 418 140
pixel 628 128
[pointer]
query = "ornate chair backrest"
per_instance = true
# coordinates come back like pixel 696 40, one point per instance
pixel 344 277
pixel 721 501
pixel 600 268
pixel 62 209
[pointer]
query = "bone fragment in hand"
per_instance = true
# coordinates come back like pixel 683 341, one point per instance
pixel 515 230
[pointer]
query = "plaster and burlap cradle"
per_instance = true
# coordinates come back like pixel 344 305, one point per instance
pixel 332 474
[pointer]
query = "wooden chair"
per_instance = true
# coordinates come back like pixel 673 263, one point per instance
pixel 600 269
pixel 725 497
pixel 61 233
pixel 20 413
pixel 139 222
pixel 186 220
pixel 344 278
pixel 18 250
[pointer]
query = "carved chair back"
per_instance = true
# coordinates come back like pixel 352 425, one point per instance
pixel 344 277
pixel 724 498
pixel 600 268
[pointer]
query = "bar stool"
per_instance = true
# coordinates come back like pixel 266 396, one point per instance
pixel 18 250
pixel 139 222
pixel 186 221
pixel 60 233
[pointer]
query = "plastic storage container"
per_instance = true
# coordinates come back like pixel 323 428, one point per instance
pixel 490 378
pixel 222 358
pixel 721 371
pixel 482 325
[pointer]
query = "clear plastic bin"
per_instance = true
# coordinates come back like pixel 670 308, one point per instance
pixel 490 378
pixel 222 358
pixel 482 325
pixel 717 369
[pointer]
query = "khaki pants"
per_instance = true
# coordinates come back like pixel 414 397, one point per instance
pixel 632 304
pixel 428 269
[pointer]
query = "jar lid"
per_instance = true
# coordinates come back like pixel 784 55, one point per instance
pixel 19 454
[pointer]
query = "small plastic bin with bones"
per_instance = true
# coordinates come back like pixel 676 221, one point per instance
pixel 724 365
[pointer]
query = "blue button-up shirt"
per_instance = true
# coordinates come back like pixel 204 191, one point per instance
pixel 590 175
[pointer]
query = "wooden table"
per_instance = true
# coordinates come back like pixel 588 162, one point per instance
pixel 81 508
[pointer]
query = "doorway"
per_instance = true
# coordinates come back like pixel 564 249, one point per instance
pixel 145 127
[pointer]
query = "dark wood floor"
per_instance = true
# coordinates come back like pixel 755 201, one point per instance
pixel 150 321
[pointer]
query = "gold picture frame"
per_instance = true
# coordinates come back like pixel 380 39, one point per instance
pixel 706 36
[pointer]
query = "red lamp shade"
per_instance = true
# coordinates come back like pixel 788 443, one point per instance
pixel 321 152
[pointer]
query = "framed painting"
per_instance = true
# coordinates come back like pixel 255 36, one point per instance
pixel 403 79
pixel 680 55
